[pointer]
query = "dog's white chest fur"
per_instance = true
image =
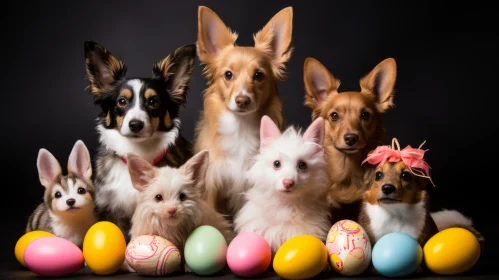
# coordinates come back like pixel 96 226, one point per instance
pixel 73 228
pixel 405 218
pixel 117 192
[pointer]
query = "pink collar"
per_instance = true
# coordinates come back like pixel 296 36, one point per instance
pixel 155 161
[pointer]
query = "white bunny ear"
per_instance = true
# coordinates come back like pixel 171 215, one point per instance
pixel 48 168
pixel 268 131
pixel 79 161
pixel 315 133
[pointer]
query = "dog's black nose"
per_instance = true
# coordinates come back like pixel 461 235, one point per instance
pixel 70 202
pixel 351 139
pixel 388 189
pixel 242 101
pixel 136 125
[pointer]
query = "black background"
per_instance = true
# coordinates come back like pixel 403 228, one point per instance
pixel 446 56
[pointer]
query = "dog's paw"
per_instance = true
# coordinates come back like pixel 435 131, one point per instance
pixel 187 269
pixel 126 268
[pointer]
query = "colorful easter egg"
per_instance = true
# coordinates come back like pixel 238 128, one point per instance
pixel 205 250
pixel 451 251
pixel 104 248
pixel 25 240
pixel 301 257
pixel 152 255
pixel 397 255
pixel 349 248
pixel 53 256
pixel 248 254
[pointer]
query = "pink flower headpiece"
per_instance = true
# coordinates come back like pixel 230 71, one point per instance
pixel 412 157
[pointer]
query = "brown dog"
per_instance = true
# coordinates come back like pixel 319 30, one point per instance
pixel 354 126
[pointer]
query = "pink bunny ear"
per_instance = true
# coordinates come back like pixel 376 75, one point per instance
pixel 268 132
pixel 315 133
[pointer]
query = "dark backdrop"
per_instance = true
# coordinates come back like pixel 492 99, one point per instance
pixel 445 88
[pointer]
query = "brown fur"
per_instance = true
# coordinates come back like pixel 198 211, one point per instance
pixel 219 55
pixel 375 97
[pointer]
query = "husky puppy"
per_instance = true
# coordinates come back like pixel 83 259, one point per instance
pixel 68 207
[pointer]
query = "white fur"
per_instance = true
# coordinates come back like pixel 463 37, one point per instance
pixel 239 142
pixel 279 215
pixel 136 112
pixel 117 192
pixel 400 217
pixel 448 218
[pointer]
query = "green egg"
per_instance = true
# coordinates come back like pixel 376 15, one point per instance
pixel 205 250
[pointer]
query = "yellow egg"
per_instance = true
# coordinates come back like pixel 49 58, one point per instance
pixel 349 248
pixel 104 248
pixel 451 251
pixel 25 240
pixel 301 257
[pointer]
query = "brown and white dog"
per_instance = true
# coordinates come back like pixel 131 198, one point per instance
pixel 354 126
pixel 242 87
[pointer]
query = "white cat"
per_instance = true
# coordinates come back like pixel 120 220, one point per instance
pixel 288 185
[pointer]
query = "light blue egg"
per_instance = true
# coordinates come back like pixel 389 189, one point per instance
pixel 396 255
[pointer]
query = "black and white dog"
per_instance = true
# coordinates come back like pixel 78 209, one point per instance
pixel 139 116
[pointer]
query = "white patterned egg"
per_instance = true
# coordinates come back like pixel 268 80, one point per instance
pixel 152 255
pixel 349 248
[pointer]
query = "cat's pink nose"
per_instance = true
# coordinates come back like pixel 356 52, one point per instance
pixel 172 210
pixel 288 183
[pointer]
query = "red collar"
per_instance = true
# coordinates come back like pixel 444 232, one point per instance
pixel 155 161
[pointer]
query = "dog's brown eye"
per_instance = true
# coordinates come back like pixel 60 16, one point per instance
pixel 182 196
pixel 302 165
pixel 406 176
pixel 335 116
pixel 82 191
pixel 159 197
pixel 122 102
pixel 58 195
pixel 379 176
pixel 228 75
pixel 258 76
pixel 365 115
pixel 277 164
pixel 153 102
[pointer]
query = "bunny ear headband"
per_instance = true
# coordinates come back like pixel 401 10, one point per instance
pixel 412 157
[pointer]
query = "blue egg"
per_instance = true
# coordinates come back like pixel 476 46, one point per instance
pixel 396 255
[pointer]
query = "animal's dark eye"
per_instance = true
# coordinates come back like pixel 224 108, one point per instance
pixel 302 165
pixel 335 116
pixel 379 175
pixel 58 195
pixel 406 176
pixel 182 196
pixel 258 76
pixel 122 102
pixel 277 164
pixel 159 197
pixel 365 116
pixel 153 102
pixel 82 191
pixel 228 75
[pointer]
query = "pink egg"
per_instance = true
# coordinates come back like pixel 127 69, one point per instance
pixel 53 256
pixel 248 254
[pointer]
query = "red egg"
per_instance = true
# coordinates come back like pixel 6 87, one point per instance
pixel 53 257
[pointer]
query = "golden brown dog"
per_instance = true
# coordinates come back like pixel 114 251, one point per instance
pixel 354 126
pixel 242 87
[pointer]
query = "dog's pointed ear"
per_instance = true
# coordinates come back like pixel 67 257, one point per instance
pixel 48 168
pixel 380 83
pixel 141 172
pixel 275 39
pixel 268 131
pixel 315 133
pixel 103 69
pixel 195 168
pixel 213 35
pixel 319 83
pixel 79 161
pixel 176 69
